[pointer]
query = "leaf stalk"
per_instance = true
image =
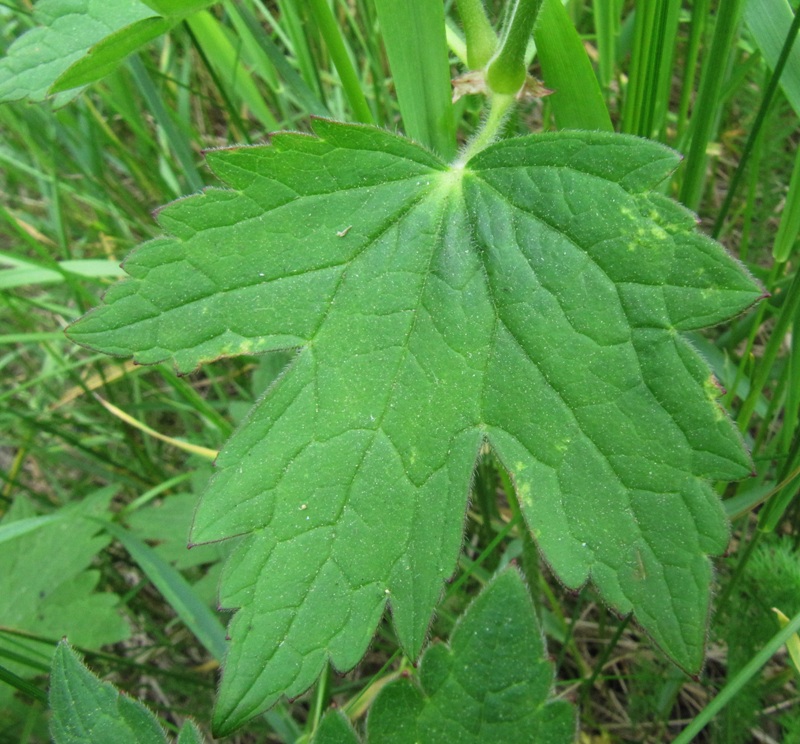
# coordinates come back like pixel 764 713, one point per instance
pixel 499 109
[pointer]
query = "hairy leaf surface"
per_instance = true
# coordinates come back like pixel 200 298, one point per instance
pixel 532 297
pixel 85 709
pixel 490 686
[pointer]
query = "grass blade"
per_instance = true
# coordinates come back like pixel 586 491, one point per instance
pixel 767 21
pixel 707 105
pixel 578 101
pixel 733 687
pixel 789 228
pixel 22 685
pixel 297 87
pixel 20 527
pixel 195 449
pixel 788 313
pixel 696 30
pixel 416 44
pixel 196 615
pixel 647 95
pixel 341 59
pixel 769 94
pixel 607 28
pixel 177 140
pixel 235 80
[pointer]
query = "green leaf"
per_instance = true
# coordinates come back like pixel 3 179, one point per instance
pixel 416 45
pixel 190 734
pixel 489 687
pixel 104 57
pixel 577 100
pixel 167 524
pixel 533 297
pixel 88 710
pixel 334 728
pixel 53 598
pixel 178 8
pixel 768 22
pixel 69 28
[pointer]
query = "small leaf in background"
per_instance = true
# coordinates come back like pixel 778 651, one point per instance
pixel 46 586
pixel 490 686
pixel 69 28
pixel 165 525
pixel 793 644
pixel 86 710
pixel 48 589
pixel 768 21
pixel 334 728
pixel 533 297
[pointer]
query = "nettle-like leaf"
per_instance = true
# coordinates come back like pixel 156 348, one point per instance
pixel 85 709
pixel 491 685
pixel 532 297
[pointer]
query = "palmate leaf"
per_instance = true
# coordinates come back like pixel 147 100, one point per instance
pixel 532 297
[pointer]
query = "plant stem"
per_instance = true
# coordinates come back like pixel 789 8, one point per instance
pixel 507 71
pixel 499 108
pixel 588 684
pixel 481 39
pixel 341 60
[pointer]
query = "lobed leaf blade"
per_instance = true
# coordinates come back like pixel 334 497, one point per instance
pixel 533 298
pixel 491 683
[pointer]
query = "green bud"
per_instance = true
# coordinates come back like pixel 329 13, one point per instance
pixel 507 72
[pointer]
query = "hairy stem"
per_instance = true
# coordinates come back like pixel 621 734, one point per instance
pixel 499 109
